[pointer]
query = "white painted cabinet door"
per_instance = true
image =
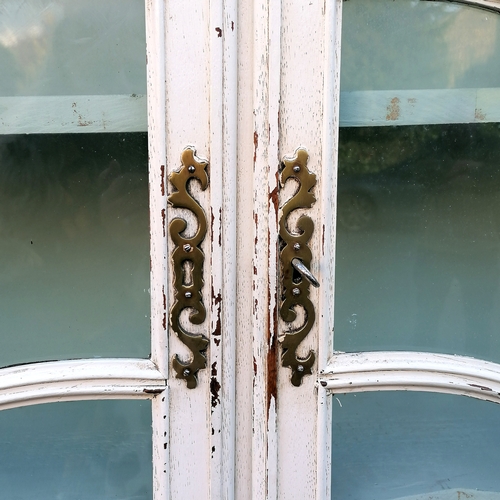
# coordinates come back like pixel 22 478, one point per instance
pixel 246 84
pixel 243 87
pixel 405 238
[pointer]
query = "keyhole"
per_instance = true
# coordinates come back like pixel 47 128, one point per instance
pixel 187 272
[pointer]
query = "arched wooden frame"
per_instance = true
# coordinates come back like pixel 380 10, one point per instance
pixel 412 371
pixel 81 379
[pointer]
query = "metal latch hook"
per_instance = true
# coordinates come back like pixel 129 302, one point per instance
pixel 300 267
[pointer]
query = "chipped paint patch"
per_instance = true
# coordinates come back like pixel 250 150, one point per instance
pixel 482 387
pixel 153 391
pixel 393 110
pixel 479 115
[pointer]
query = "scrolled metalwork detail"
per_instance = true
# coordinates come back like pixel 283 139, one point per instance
pixel 188 291
pixel 294 245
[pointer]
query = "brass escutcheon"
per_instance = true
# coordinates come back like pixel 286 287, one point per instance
pixel 294 245
pixel 188 292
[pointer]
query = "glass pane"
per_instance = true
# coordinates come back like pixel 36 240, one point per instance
pixel 72 67
pixel 56 47
pixel 414 44
pixel 81 450
pixel 74 246
pixel 416 446
pixel 419 239
pixel 419 205
pixel 407 62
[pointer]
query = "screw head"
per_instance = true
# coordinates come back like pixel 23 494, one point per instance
pixel 296 291
pixel 191 169
pixel 296 168
pixel 188 295
pixel 186 372
pixel 300 368
pixel 296 246
pixel 187 247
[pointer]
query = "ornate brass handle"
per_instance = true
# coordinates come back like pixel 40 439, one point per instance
pixel 296 255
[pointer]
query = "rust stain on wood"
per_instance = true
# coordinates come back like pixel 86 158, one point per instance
pixel 162 168
pixel 393 109
pixel 219 32
pixel 212 218
pixel 256 219
pixel 255 146
pixel 274 198
pixel 214 386
pixel 272 355
pixel 164 221
pixel 220 227
pixel 216 301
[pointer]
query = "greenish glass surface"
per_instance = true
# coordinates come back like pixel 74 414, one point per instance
pixel 414 446
pixel 85 450
pixel 74 247
pixel 418 242
pixel 417 44
pixel 86 47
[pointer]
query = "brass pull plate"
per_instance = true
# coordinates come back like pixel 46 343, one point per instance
pixel 187 249
pixel 294 245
